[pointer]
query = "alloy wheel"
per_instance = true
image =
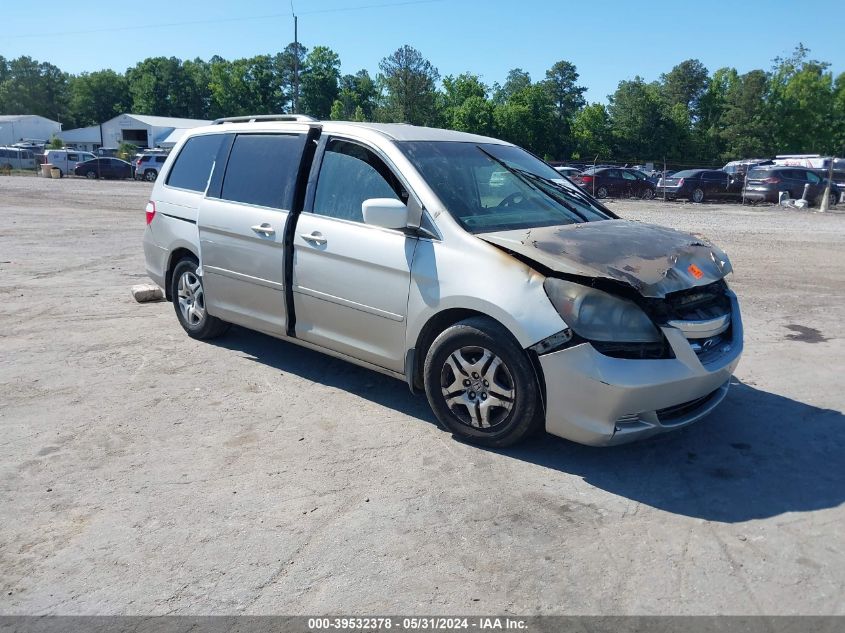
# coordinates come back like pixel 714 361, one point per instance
pixel 191 299
pixel 478 387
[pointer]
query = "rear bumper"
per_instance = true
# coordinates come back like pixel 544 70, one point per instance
pixel 598 400
pixel 760 194
pixel 155 258
pixel 669 192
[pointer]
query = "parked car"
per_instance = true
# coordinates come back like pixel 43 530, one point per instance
pixel 699 184
pixel 512 308
pixel 839 181
pixel 569 172
pixel 766 183
pixel 66 160
pixel 147 166
pixel 741 167
pixel 16 158
pixel 104 168
pixel 615 181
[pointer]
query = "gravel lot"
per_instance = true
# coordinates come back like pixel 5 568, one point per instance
pixel 142 472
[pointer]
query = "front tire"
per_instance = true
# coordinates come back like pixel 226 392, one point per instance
pixel 91 175
pixel 189 302
pixel 481 385
pixel 648 194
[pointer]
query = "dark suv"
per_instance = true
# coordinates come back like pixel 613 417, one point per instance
pixel 766 183
pixel 615 181
pixel 700 184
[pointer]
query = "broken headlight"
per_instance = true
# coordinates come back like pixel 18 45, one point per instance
pixel 599 316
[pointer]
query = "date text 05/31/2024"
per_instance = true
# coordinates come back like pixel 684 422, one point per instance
pixel 416 624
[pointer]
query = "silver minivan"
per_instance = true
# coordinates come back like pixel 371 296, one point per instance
pixel 461 264
pixel 16 158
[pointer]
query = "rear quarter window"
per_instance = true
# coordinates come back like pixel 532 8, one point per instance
pixel 194 162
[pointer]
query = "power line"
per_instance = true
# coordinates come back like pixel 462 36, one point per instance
pixel 383 5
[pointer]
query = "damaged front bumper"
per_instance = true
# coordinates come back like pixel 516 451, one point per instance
pixel 600 400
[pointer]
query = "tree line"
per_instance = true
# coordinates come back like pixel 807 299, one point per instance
pixel 688 116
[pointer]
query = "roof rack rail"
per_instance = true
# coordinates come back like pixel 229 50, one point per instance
pixel 265 117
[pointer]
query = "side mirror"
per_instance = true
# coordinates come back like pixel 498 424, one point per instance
pixel 387 213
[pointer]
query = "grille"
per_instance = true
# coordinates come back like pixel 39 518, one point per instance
pixel 670 414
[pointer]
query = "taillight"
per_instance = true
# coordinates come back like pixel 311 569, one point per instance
pixel 151 211
pixel 586 179
pixel 138 163
pixel 772 180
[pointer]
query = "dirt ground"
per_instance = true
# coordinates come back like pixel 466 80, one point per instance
pixel 142 472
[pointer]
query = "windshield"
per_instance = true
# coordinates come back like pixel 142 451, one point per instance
pixel 488 187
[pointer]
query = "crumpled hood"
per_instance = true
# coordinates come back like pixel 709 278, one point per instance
pixel 652 259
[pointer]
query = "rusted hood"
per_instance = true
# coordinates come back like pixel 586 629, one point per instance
pixel 652 259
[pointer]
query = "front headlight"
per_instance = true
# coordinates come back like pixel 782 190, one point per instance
pixel 598 316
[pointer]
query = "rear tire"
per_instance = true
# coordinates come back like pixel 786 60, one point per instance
pixel 189 302
pixel 481 385
pixel 601 192
pixel 697 195
pixel 150 175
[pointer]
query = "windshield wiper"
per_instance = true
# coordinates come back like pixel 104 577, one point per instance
pixel 532 181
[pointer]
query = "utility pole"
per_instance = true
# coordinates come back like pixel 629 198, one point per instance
pixel 295 62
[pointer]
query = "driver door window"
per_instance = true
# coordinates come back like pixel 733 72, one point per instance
pixel 350 174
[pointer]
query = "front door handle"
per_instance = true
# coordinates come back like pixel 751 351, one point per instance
pixel 316 237
pixel 265 228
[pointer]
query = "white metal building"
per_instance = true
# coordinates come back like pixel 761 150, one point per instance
pixel 143 130
pixel 15 128
pixel 82 138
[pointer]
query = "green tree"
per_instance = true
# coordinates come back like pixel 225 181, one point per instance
pixel 516 81
pixel 161 86
pixel 285 65
pixel 456 91
pixel 409 82
pixel 245 86
pixel 591 132
pixel 527 119
pixel 33 87
pixel 568 98
pixel 320 82
pixel 801 104
pixel 745 124
pixel 337 111
pixel 97 97
pixel 358 91
pixel 685 84
pixel 642 126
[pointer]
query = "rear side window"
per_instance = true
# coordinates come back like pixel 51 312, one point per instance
pixel 194 163
pixel 262 169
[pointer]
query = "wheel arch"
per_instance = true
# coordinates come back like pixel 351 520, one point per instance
pixel 176 256
pixel 432 328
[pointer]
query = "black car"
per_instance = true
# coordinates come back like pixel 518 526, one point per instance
pixel 104 168
pixel 700 184
pixel 766 183
pixel 615 181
